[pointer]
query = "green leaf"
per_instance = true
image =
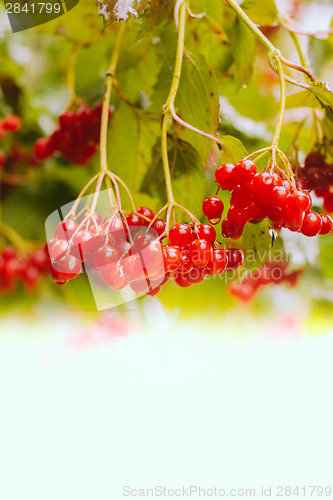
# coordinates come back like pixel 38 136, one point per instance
pixel 233 150
pixel 130 147
pixel 323 92
pixel 263 13
pixel 81 25
pixel 243 43
pixel 197 101
pixel 188 177
pixel 301 100
pixel 257 241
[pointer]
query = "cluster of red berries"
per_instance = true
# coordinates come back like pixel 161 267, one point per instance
pixel 9 123
pixel 272 272
pixel 16 266
pixel 137 251
pixel 256 196
pixel 77 136
pixel 316 172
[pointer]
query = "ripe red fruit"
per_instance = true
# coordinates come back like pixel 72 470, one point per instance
pixel 82 240
pixel 9 252
pixel 186 263
pixel 239 216
pixel 67 119
pixel 292 219
pixel 230 230
pixel 180 235
pixel 146 212
pixel 113 276
pixel 225 176
pixel 206 232
pixel 262 186
pixel 143 240
pixel 311 224
pixel 68 266
pixel 241 197
pixel 158 226
pixel 218 262
pixel 299 201
pixel 212 208
pixel 57 249
pixel 235 258
pixel 245 170
pixel 200 252
pixel 279 196
pixel 182 280
pixel 66 229
pixel 11 268
pixel 140 286
pixel 326 224
pixel 133 269
pixel 328 203
pixel 43 148
pixel 172 258
pixel 11 123
pixel 152 256
pixel 105 256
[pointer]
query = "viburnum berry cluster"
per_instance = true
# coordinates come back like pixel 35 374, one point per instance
pixel 8 124
pixel 257 196
pixel 138 251
pixel 272 272
pixel 25 267
pixel 316 173
pixel 77 136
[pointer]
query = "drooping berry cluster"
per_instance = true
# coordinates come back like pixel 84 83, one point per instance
pixel 256 196
pixel 137 251
pixel 9 123
pixel 272 272
pixel 76 138
pixel 27 267
pixel 316 172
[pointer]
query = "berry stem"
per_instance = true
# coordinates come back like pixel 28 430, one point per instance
pixel 275 143
pixel 180 9
pixel 71 74
pixel 106 101
pixel 15 238
pixel 78 199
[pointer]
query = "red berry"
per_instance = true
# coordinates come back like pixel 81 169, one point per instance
pixel 299 200
pixel 152 256
pixel 218 262
pixel 82 240
pixel 57 249
pixel 328 203
pixel 245 170
pixel 292 219
pixel 68 266
pixel 235 258
pixel 200 252
pixel 206 232
pixel 140 286
pixel 8 253
pixel 105 256
pixel 114 277
pixel 158 226
pixel 239 216
pixel 326 224
pixel 172 258
pixel 262 186
pixel 133 269
pixel 67 119
pixel 143 240
pixel 43 149
pixel 66 229
pixel 311 224
pixel 230 230
pixel 279 196
pixel 241 197
pixel 11 123
pixel 225 176
pixel 186 263
pixel 180 235
pixel 146 212
pixel 212 208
